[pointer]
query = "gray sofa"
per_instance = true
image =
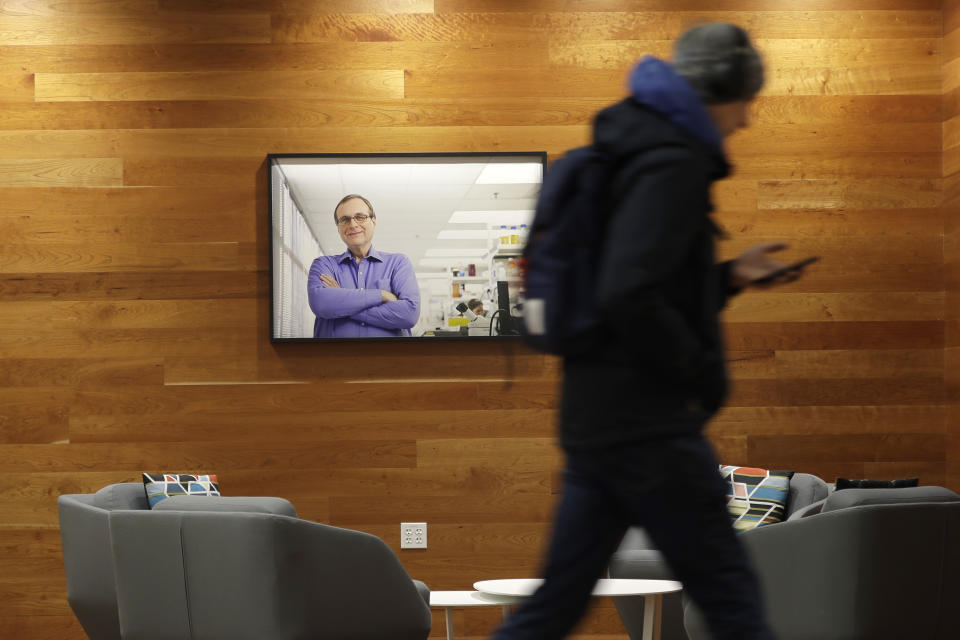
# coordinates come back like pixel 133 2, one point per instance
pixel 637 558
pixel 229 568
pixel 863 564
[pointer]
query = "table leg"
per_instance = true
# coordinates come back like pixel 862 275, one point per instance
pixel 448 612
pixel 652 605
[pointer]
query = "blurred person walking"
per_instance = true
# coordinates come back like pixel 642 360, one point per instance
pixel 634 407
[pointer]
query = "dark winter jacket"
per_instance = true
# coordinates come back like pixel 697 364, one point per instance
pixel 658 369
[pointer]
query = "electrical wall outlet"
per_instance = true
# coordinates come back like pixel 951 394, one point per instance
pixel 413 535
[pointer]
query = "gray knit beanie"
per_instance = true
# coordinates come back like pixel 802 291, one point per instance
pixel 718 60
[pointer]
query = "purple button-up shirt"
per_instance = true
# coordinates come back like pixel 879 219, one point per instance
pixel 355 310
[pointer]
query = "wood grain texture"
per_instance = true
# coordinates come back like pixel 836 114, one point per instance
pixel 134 260
pixel 837 363
pixel 247 57
pixel 870 334
pixel 846 307
pixel 217 85
pixel 587 83
pixel 825 137
pixel 16 87
pixel 781 55
pixel 130 285
pixel 898 79
pixel 951 161
pixel 216 142
pixel 72 172
pixel 135 29
pixel 55 258
pixel 846 251
pixel 130 314
pixel 848 110
pixel 300 114
pixel 601 26
pixel 951 135
pixel 951 247
pixel 834 225
pixel 332 426
pixel 301 6
pixel 458 110
pixel 445 6
pixel 950 80
pixel 826 420
pixel 61 8
pixel 133 458
pixel 860 194
pixel 135 204
pixel 881 80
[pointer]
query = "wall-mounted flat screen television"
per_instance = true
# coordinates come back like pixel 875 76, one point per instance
pixel 401 246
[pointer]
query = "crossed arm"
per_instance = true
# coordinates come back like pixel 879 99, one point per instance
pixel 398 308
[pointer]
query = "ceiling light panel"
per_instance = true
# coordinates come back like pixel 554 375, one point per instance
pixel 494 217
pixel 511 173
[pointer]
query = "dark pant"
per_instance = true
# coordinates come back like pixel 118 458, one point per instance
pixel 673 489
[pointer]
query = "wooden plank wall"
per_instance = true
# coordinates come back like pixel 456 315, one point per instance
pixel 951 239
pixel 133 265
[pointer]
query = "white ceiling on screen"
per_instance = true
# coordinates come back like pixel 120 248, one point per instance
pixel 435 208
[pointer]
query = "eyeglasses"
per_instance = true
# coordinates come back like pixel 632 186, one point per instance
pixel 360 218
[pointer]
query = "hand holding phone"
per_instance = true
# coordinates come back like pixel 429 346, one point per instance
pixel 790 268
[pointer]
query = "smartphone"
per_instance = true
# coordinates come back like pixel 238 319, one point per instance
pixel 796 266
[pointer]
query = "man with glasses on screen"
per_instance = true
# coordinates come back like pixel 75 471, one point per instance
pixel 363 292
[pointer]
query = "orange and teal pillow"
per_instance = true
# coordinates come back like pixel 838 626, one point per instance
pixel 160 486
pixel 756 497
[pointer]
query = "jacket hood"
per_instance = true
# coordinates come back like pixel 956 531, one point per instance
pixel 659 97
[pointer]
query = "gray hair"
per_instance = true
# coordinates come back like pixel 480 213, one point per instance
pixel 719 62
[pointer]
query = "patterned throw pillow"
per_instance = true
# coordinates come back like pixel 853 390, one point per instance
pixel 163 485
pixel 755 497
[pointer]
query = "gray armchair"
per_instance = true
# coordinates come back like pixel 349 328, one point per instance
pixel 231 568
pixel 637 558
pixel 867 564
pixel 258 576
pixel 88 557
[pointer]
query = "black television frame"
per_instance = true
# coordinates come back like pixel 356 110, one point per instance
pixel 512 323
